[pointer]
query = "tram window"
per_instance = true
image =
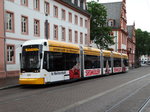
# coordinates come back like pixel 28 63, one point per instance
pixel 125 61
pixel 58 61
pixel 117 62
pixel 107 60
pixel 91 61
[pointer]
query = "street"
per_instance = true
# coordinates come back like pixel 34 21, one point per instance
pixel 126 92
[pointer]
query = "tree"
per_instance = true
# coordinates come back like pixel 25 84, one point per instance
pixel 142 44
pixel 100 33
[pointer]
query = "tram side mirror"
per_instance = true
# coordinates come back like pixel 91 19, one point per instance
pixel 40 55
pixel 45 43
pixel 20 59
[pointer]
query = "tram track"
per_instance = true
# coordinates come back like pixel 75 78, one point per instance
pixel 83 90
pixel 57 86
pixel 141 109
pixel 106 94
pixel 111 109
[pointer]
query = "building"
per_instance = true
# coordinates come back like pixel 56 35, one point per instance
pixel 116 18
pixel 124 36
pixel 145 59
pixel 22 20
pixel 131 45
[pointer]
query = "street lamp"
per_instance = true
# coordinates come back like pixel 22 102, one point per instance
pixel 46 27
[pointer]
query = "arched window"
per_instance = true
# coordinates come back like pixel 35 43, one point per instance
pixel 111 22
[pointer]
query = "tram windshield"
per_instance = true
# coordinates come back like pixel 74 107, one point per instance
pixel 31 58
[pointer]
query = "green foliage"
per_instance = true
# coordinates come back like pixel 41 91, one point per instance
pixel 142 45
pixel 142 42
pixel 100 33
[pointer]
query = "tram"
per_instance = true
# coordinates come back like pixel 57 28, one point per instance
pixel 46 61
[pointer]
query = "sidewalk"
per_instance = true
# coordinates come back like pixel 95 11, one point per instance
pixel 8 82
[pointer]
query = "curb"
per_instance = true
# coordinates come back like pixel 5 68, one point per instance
pixel 8 87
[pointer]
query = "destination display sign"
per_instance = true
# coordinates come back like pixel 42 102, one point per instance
pixel 31 49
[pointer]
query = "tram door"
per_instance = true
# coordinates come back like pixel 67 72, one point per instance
pixel 82 62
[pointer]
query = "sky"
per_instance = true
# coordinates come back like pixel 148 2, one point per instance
pixel 138 11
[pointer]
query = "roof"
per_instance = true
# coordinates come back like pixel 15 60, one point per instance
pixel 106 53
pixel 125 56
pixel 114 12
pixel 69 2
pixel 130 30
pixel 116 55
pixel 56 46
pixel 62 44
pixel 91 51
pixel 34 42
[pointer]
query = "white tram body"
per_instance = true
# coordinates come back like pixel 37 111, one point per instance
pixel 47 61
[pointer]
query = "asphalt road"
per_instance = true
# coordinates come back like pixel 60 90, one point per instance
pixel 126 92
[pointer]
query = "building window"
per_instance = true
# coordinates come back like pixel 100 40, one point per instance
pixel 76 19
pixel 81 38
pixel 81 22
pixel 86 24
pixel 9 21
pixel 81 4
pixel 47 8
pixel 63 14
pixel 111 23
pixel 63 33
pixel 36 27
pixel 56 32
pixel 76 2
pixel 70 35
pixel 10 54
pixel 24 2
pixel 76 36
pixel 36 5
pixel 24 25
pixel 70 17
pixel 55 11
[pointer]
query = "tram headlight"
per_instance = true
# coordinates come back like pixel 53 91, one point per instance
pixel 23 71
pixel 36 71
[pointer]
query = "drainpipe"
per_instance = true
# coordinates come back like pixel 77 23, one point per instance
pixel 5 56
pixel 46 27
